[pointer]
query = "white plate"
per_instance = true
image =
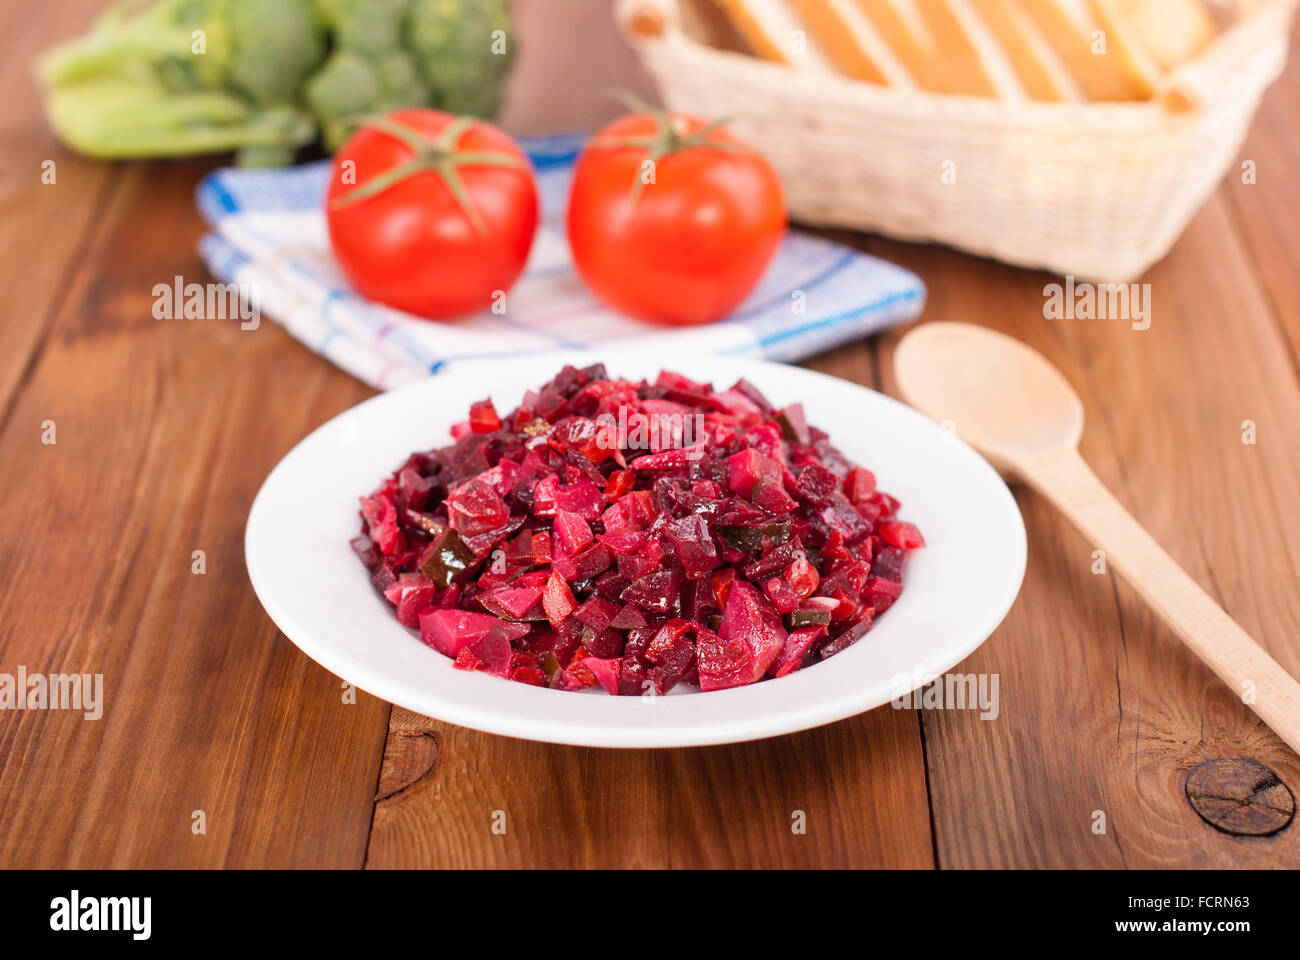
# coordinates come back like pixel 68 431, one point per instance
pixel 956 590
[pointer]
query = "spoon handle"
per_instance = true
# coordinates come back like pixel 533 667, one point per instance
pixel 1067 481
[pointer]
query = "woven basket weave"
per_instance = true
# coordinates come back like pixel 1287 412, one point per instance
pixel 1095 190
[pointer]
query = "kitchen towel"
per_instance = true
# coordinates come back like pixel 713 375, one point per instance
pixel 269 238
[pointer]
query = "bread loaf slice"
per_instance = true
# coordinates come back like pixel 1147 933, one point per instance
pixel 1082 44
pixel 774 31
pixel 1042 73
pixel 852 42
pixel 1171 31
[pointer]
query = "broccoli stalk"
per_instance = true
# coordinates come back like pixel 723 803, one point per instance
pixel 114 119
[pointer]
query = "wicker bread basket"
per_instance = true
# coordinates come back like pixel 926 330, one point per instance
pixel 1096 190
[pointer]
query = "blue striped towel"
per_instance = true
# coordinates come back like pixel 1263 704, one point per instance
pixel 268 234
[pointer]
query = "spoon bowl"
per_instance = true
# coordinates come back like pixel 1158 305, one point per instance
pixel 1002 397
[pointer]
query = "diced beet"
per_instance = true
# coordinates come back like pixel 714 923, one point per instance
pixel 881 593
pixel 671 634
pixel 693 544
pixel 796 647
pixel 531 549
pixel 557 599
pixel 898 533
pixel 585 565
pixel 465 660
pixel 748 468
pixel 380 514
pixel 669 378
pixel 611 585
pixel 802 577
pixel 624 541
pixel 672 459
pixel 771 496
pixel 628 617
pixel 723 663
pixel 596 613
pixel 603 643
pixel 851 635
pixel 365 548
pixel 781 595
pixel 605 671
pixel 859 485
pixel 541 547
pixel 794 425
pixel 570 534
pixel 412 594
pixel 816 483
pixel 654 592
pixel 483 417
pixel 493 651
pixel 888 564
pixel 530 675
pixel 749 620
pixel 476 506
pixel 511 603
pixel 448 631
pixel 631 676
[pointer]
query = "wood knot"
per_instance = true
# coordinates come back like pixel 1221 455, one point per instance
pixel 1240 796
pixel 410 758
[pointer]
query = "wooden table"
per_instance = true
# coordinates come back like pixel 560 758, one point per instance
pixel 166 428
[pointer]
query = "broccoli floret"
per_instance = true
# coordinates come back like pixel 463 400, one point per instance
pixel 464 49
pixel 345 87
pixel 399 81
pixel 369 27
pixel 275 45
pixel 349 87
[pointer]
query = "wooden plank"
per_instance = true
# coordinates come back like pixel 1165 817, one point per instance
pixel 43 226
pixel 165 430
pixel 1101 708
pixel 452 797
pixel 1267 211
pixel 851 794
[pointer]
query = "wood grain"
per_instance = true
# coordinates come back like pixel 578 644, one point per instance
pixel 165 429
pixel 56 215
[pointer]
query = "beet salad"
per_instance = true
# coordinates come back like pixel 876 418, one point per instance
pixel 635 535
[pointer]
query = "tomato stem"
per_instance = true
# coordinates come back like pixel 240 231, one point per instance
pixel 667 139
pixel 438 156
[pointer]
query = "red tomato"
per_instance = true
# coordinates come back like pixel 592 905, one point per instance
pixel 411 244
pixel 687 247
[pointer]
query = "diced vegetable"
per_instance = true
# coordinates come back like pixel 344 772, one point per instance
pixel 528 550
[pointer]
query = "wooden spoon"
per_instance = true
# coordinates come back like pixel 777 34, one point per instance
pixel 1013 406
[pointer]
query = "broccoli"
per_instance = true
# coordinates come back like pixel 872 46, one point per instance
pixel 186 76
pixel 369 27
pixel 462 56
pixel 276 44
pixel 178 77
pixel 350 86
